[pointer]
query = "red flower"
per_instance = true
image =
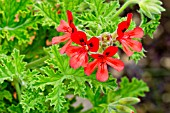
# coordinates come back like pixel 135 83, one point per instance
pixel 101 60
pixel 79 55
pixel 68 29
pixel 126 38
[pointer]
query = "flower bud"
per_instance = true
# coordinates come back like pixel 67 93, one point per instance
pixel 150 7
pixel 128 100
pixel 119 109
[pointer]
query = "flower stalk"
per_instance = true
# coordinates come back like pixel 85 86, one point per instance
pixel 37 62
pixel 17 87
pixel 125 5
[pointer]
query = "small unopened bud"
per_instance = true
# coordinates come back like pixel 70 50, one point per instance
pixel 150 7
pixel 120 108
pixel 128 100
pixel 105 39
pixel 105 36
pixel 114 36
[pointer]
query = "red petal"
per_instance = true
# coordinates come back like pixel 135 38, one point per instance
pixel 90 67
pixel 134 45
pixel 96 56
pixel 110 51
pixel 123 26
pixel 79 59
pixel 70 21
pixel 129 17
pixel 69 17
pixel 115 63
pixel 93 44
pixel 74 29
pixel 79 37
pixel 102 72
pixel 84 64
pixel 72 50
pixel 58 39
pixel 135 33
pixel 126 49
pixel 64 27
pixel 64 48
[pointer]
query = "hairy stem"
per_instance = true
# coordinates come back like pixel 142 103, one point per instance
pixel 37 62
pixel 17 87
pixel 124 7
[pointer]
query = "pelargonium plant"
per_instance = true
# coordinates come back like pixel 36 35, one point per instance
pixel 48 59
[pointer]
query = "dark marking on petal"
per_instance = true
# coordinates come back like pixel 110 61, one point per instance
pixel 107 53
pixel 91 45
pixel 71 21
pixel 72 30
pixel 81 40
pixel 124 30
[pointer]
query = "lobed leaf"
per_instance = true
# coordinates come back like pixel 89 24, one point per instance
pixel 12 67
pixel 132 89
pixel 150 26
pixel 15 108
pixel 33 101
pixel 16 17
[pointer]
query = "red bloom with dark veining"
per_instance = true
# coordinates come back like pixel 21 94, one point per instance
pixel 126 38
pixel 101 61
pixel 68 29
pixel 79 55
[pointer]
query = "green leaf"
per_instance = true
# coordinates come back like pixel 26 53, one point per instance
pixel 5 94
pixel 132 89
pixel 57 77
pixel 50 16
pixel 105 87
pixel 3 108
pixel 78 84
pixel 137 56
pixel 98 16
pixel 150 26
pixel 33 100
pixel 56 59
pixel 11 67
pixel 3 85
pixel 57 96
pixel 15 109
pixel 41 81
pixel 6 98
pixel 15 19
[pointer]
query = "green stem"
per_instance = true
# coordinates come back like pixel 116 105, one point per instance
pixel 37 62
pixel 124 7
pixel 17 87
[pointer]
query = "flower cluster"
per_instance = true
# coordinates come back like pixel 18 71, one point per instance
pixel 91 47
